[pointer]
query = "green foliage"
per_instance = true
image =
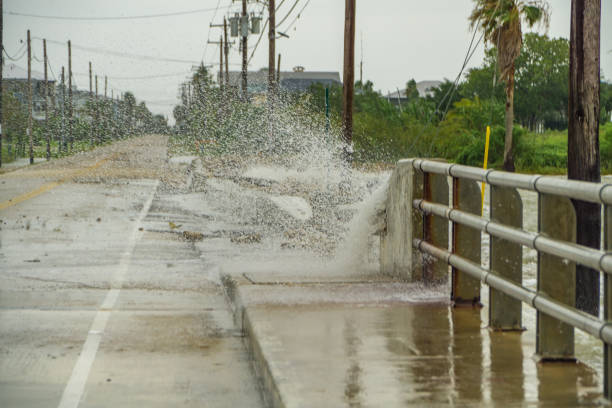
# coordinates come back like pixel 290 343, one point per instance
pixel 605 102
pixel 412 93
pixel 541 82
pixel 605 146
pixel 461 135
pixel 99 121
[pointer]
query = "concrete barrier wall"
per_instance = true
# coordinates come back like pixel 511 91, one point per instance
pixel 396 253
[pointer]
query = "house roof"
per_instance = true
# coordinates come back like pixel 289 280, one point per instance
pixel 260 78
pixel 424 88
pixel 12 71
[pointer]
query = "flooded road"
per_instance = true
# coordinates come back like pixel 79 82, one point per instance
pixel 101 303
pixel 115 265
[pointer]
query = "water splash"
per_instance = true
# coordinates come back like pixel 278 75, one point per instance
pixel 279 173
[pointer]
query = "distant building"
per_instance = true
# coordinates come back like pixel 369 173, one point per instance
pixel 425 88
pixel 15 80
pixel 298 80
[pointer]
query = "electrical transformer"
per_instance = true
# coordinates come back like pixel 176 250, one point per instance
pixel 234 21
pixel 255 24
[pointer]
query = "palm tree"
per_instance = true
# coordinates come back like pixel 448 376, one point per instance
pixel 500 21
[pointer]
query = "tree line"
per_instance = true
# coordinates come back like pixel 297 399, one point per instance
pixel 97 121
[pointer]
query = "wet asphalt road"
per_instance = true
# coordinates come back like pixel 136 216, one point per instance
pixel 102 303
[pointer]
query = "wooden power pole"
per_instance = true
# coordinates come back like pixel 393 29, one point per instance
pixel 583 161
pixel 30 121
pixel 361 63
pixel 70 138
pixel 48 133
pixel 62 142
pixel 278 70
pixel 221 48
pixel 271 49
pixel 226 50
pixel 245 35
pixel 349 70
pixel 91 128
pixel 1 66
pixel 96 114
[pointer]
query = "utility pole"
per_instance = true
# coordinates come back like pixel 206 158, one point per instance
pixel 105 85
pixel 30 121
pixel 244 28
pixel 349 70
pixel 70 139
pixel 47 102
pixel 1 65
pixel 220 43
pixel 583 160
pixel 221 47
pixel 226 50
pixel 62 144
pixel 96 115
pixel 271 49
pixel 361 62
pixel 278 70
pixel 91 129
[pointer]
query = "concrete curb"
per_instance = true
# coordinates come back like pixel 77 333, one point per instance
pixel 264 371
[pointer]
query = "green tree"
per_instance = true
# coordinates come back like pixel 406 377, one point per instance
pixel 501 22
pixel 605 102
pixel 541 92
pixel 412 93
pixel 542 72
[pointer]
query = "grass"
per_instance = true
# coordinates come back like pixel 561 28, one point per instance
pixel 544 153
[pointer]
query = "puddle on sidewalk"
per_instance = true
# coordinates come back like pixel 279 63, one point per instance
pixel 413 355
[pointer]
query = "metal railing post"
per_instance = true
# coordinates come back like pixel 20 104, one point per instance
pixel 435 189
pixel 556 278
pixel 506 259
pixel 607 224
pixel 466 242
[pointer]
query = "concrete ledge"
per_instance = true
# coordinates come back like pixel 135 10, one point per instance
pixel 254 304
pixel 396 255
pixel 268 377
pixel 259 363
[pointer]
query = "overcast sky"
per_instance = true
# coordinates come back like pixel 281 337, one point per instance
pixel 402 39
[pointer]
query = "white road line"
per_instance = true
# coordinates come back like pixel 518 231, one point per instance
pixel 80 373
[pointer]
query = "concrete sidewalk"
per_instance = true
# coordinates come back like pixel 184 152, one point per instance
pixel 346 342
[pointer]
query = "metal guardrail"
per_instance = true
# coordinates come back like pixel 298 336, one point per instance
pixel 555 243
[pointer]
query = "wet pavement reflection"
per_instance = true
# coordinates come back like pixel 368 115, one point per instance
pixel 415 355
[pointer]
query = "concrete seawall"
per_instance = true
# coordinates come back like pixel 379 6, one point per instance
pixel 396 255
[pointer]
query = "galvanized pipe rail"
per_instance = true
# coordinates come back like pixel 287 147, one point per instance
pixel 424 185
pixel 581 254
pixel 578 190
pixel 592 325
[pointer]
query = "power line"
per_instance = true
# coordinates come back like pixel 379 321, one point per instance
pixel 120 78
pixel 296 17
pixel 19 50
pixel 277 25
pixel 95 18
pixel 120 54
pixel 288 13
pixel 468 57
pixel 51 69
pixel 153 76
pixel 209 28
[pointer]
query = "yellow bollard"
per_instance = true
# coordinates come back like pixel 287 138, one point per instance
pixel 484 166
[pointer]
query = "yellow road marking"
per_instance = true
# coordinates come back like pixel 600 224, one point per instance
pixel 49 186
